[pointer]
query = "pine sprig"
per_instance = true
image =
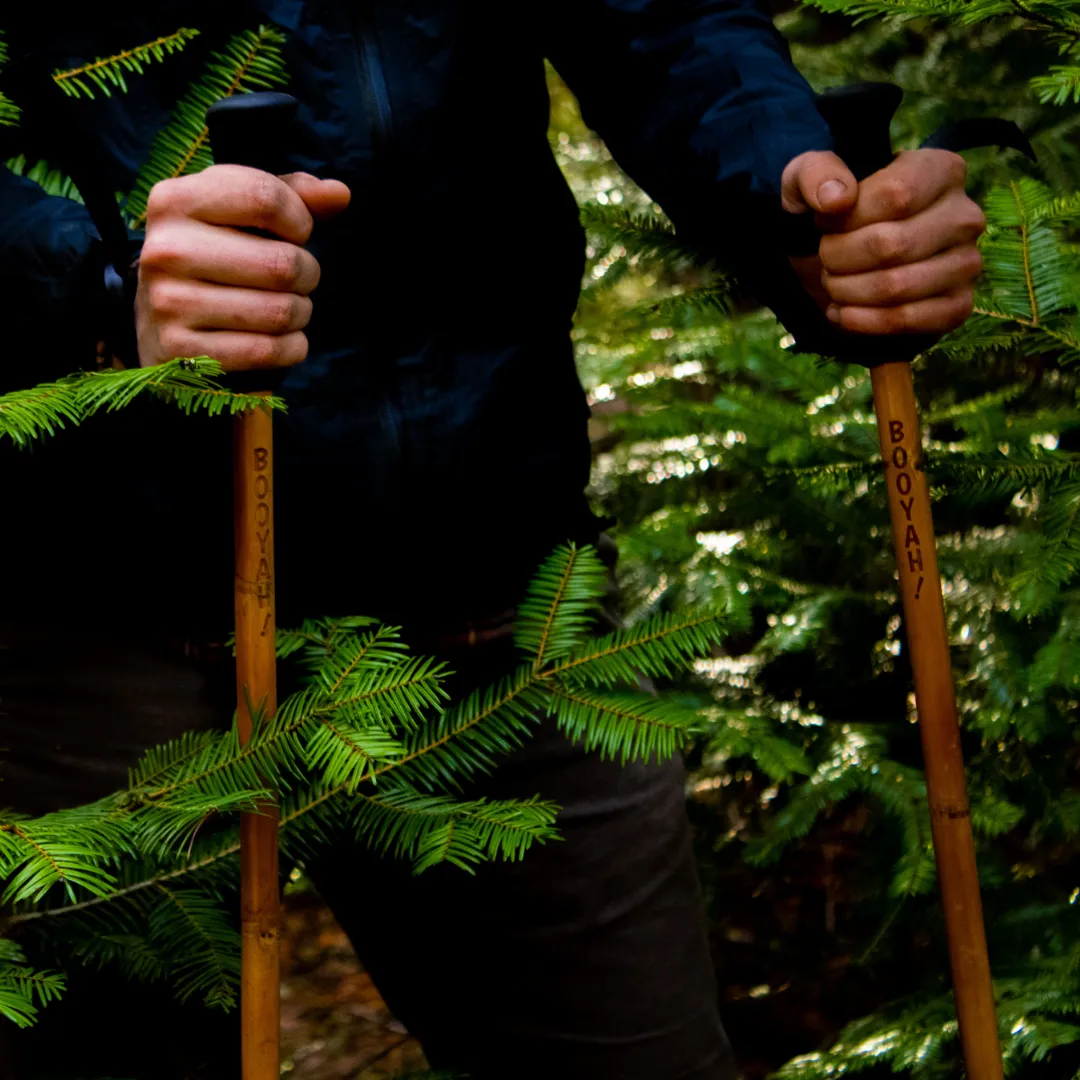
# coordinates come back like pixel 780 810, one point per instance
pixel 625 726
pixel 368 745
pixel 51 181
pixel 648 236
pixel 655 648
pixel 190 384
pixel 203 945
pixel 107 73
pixel 69 848
pixel 9 112
pixel 432 829
pixel 251 60
pixel 22 989
pixel 562 601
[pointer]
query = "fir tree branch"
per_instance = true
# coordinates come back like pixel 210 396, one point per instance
pixel 189 384
pixel 75 82
pixel 251 60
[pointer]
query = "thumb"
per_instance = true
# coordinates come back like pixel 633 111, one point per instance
pixel 324 198
pixel 818 180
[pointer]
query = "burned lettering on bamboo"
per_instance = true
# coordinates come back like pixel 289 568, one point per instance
pixel 905 484
pixel 262 514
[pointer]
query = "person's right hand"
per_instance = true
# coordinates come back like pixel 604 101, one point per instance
pixel 208 289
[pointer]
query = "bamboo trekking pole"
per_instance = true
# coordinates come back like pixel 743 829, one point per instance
pixel 859 117
pixel 256 685
pixel 247 130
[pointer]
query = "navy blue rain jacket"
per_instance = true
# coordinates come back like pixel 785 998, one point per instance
pixel 435 446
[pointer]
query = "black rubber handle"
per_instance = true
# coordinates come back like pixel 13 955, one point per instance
pixel 253 129
pixel 859 117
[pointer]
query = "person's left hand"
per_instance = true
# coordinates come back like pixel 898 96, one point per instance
pixel 899 255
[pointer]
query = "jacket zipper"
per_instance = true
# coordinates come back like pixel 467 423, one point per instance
pixel 373 81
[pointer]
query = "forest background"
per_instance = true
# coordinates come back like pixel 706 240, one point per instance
pixel 743 475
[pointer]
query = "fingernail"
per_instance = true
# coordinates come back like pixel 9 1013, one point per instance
pixel 831 191
pixel 833 313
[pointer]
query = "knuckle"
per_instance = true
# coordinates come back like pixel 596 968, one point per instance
pixel 314 273
pixel 898 319
pixel 162 198
pixel 284 266
pixel 898 195
pixel 161 294
pixel 298 349
pixel 265 199
pixel 829 252
pixel 893 284
pixel 173 341
pixel 279 312
pixel 260 351
pixel 887 244
pixel 160 251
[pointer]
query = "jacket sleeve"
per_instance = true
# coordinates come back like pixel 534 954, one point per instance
pixel 49 265
pixel 699 102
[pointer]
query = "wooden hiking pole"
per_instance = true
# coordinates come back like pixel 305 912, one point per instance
pixel 247 130
pixel 859 117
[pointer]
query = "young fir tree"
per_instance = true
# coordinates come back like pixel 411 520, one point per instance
pixel 369 747
pixel 733 464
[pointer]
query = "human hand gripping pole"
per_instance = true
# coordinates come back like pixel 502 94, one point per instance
pixel 859 117
pixel 248 130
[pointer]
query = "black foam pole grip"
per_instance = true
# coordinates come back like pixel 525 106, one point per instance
pixel 255 130
pixel 252 129
pixel 859 117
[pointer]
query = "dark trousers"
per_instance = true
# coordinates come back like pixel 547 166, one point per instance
pixel 585 961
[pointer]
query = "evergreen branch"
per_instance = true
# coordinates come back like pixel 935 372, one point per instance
pixel 974 406
pixel 189 384
pixel 162 761
pixel 647 236
pixel 628 725
pixel 132 889
pixel 684 308
pixel 1025 247
pixel 251 60
pixel 468 738
pixel 1059 87
pixel 75 82
pixel 855 764
pixel 561 603
pixel 19 986
pixel 66 847
pixel 1057 557
pixel 9 112
pixel 347 755
pixel 202 943
pixel 655 647
pixel 51 181
pixel 431 829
